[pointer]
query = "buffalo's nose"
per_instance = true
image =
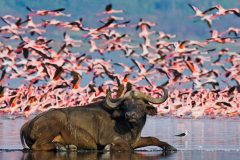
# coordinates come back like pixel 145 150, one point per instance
pixel 131 115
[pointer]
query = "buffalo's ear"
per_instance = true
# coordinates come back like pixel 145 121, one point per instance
pixel 151 110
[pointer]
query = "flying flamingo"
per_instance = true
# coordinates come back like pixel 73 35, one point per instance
pixel 55 12
pixel 110 10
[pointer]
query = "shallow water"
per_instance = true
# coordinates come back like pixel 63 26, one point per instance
pixel 208 139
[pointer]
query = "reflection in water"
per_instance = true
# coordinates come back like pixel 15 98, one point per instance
pixel 180 155
pixel 91 156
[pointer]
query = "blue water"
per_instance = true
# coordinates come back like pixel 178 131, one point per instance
pixel 208 139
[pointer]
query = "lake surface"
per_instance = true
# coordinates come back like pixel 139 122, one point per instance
pixel 208 139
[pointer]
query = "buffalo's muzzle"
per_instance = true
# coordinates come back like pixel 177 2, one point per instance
pixel 131 116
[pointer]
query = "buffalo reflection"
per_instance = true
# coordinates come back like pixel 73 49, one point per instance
pixel 40 155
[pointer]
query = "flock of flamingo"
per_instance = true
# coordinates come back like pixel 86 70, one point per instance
pixel 78 67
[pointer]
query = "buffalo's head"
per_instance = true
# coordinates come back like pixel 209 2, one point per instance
pixel 134 105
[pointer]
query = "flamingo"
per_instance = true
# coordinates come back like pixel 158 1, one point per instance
pixel 71 42
pixel 198 12
pixel 55 12
pixel 52 72
pixel 221 11
pixel 109 10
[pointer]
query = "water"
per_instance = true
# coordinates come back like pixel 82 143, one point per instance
pixel 208 139
pixel 180 155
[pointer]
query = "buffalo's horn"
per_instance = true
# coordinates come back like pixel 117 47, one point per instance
pixel 151 99
pixel 113 103
pixel 120 90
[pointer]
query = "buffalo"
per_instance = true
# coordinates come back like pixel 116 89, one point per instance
pixel 109 124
